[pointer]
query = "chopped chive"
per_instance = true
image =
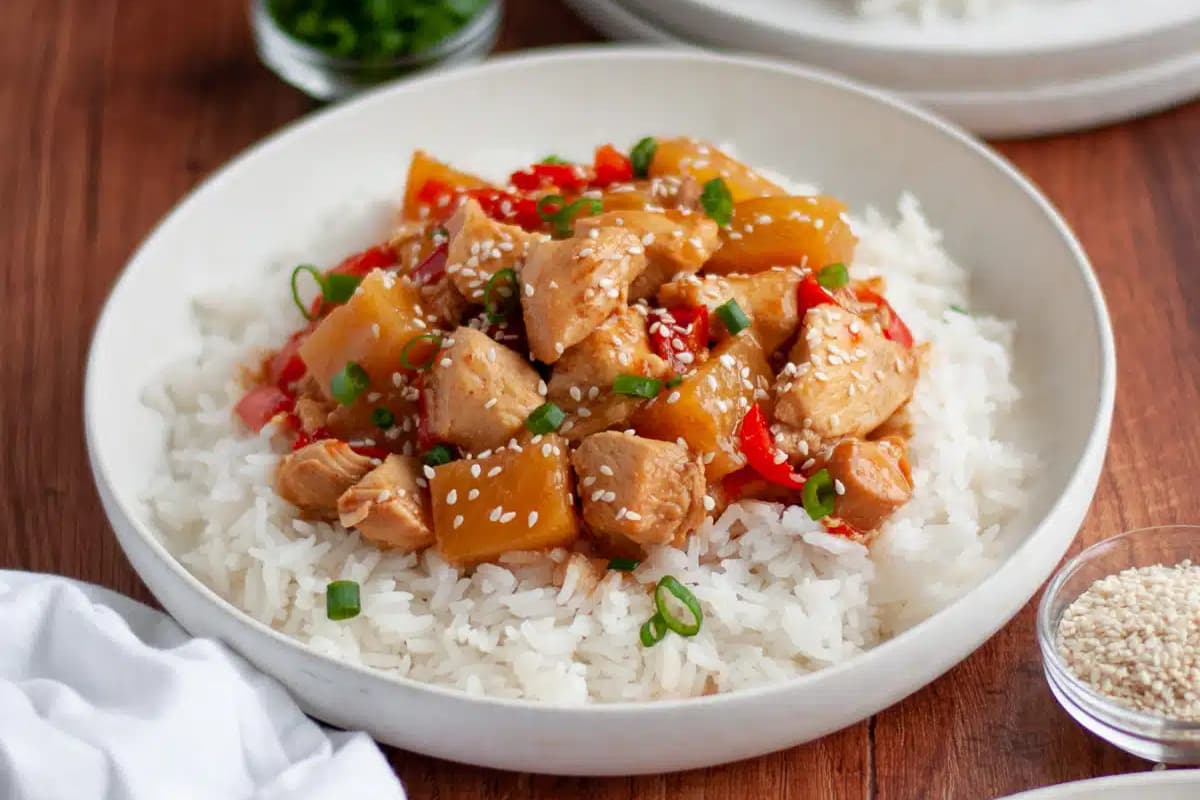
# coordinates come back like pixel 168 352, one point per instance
pixel 317 276
pixel 335 288
pixel 674 381
pixel 669 585
pixel 653 631
pixel 341 600
pixel 732 315
pixel 545 418
pixel 437 455
pixel 637 386
pixel 833 276
pixel 434 338
pixel 382 418
pixel 717 201
pixel 349 383
pixel 490 307
pixel 553 159
pixel 623 564
pixel 642 155
pixel 564 213
pixel 818 495
pixel 960 310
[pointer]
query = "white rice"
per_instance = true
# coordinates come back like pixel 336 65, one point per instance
pixel 782 599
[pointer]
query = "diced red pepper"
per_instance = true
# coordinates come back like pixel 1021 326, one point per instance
pixel 759 450
pixel 895 329
pixel 371 450
pixel 377 257
pixel 286 367
pixel 305 438
pixel 682 329
pixel 566 177
pixel 810 294
pixel 514 209
pixel 259 405
pixel 612 166
pixel 432 269
pixel 839 528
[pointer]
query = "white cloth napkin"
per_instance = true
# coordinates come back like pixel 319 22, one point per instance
pixel 92 710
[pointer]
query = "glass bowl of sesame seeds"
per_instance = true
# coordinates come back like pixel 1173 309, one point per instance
pixel 1119 631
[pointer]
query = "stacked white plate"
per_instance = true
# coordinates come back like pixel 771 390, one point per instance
pixel 1029 67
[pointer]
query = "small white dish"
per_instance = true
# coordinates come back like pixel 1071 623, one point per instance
pixel 1163 785
pixel 1025 266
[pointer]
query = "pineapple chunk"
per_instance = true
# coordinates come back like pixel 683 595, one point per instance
pixel 424 168
pixel 703 162
pixel 707 408
pixel 514 499
pixel 784 231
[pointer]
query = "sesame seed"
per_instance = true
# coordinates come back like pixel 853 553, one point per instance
pixel 542 388
pixel 383 496
pixel 609 496
pixel 547 449
pixel 445 362
pixel 673 397
pixel 709 503
pixel 839 487
pixel 633 515
pixel 494 471
pixel 458 520
pixel 576 395
pixel 428 470
pixel 475 470
pixel 589 480
pixel 507 517
pixel 495 513
pixel 533 518
pixel 583 412
pixel 596 495
pixel 605 469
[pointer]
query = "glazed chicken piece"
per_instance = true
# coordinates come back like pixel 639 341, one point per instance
pixel 675 243
pixel 569 287
pixel 581 383
pixel 388 507
pixel 478 392
pixel 875 480
pixel 768 298
pixel 843 378
pixel 312 411
pixel 316 475
pixel 480 247
pixel 643 490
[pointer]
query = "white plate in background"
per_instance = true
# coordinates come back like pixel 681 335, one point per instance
pixel 1017 250
pixel 1164 785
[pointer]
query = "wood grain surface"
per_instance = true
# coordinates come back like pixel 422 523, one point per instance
pixel 111 110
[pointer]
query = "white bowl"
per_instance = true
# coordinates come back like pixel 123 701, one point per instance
pixel 862 146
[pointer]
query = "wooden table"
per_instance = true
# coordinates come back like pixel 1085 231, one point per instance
pixel 111 111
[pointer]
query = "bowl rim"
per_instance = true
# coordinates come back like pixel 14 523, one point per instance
pixel 1129 719
pixel 1092 455
pixel 264 25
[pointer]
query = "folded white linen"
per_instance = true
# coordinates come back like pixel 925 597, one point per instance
pixel 93 707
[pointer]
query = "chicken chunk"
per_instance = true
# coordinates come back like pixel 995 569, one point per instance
pixel 581 384
pixel 644 490
pixel 316 475
pixel 388 507
pixel 675 243
pixel 768 298
pixel 480 247
pixel 478 392
pixel 571 286
pixel 874 479
pixel 843 378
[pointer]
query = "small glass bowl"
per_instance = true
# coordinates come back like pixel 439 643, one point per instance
pixel 1143 734
pixel 325 77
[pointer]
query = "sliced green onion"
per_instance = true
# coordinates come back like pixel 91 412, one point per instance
pixel 349 383
pixel 436 338
pixel 439 233
pixel 674 381
pixel 561 218
pixel 732 315
pixel 669 585
pixel 335 288
pixel 717 201
pixel 545 418
pixel 653 631
pixel 341 600
pixel 623 564
pixel 833 276
pixel 642 155
pixel 553 159
pixel 382 418
pixel 490 307
pixel 960 310
pixel 637 386
pixel 818 494
pixel 437 455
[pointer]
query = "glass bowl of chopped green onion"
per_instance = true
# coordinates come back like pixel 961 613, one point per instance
pixel 331 49
pixel 1119 631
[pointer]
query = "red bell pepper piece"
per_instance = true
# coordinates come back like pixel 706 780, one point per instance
pixel 612 166
pixel 839 528
pixel 567 177
pixel 514 209
pixel 377 257
pixel 259 405
pixel 810 294
pixel 759 450
pixel 286 367
pixel 304 438
pixel 682 329
pixel 371 451
pixel 895 329
pixel 432 269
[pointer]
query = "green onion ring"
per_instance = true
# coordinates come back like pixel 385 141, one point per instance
pixel 548 200
pixel 669 585
pixel 653 631
pixel 818 494
pixel 436 338
pixel 489 306
pixel 317 276
pixel 342 600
